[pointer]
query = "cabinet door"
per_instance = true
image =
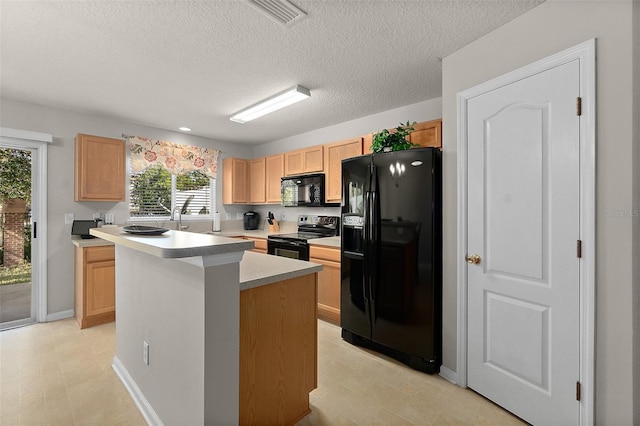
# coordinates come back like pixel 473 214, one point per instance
pixel 259 244
pixel 257 188
pixel 335 153
pixel 427 134
pixel 307 160
pixel 99 169
pixel 100 287
pixel 367 141
pixel 273 174
pixel 328 282
pixel 234 181
pixel 294 163
pixel 313 159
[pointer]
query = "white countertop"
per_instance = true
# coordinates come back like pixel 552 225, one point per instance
pixel 89 242
pixel 173 244
pixel 257 269
pixel 326 241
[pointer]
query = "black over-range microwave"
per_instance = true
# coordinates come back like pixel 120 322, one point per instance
pixel 303 191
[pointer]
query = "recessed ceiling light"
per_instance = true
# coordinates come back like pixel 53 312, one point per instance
pixel 185 129
pixel 274 103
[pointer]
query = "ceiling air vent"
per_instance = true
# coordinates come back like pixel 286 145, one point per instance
pixel 281 11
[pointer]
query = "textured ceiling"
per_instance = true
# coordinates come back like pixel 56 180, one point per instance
pixel 168 64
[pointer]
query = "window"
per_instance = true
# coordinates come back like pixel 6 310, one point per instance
pixel 155 192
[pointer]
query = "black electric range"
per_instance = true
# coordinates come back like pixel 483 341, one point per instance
pixel 295 245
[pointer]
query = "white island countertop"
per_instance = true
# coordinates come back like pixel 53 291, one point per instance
pixel 257 269
pixel 173 244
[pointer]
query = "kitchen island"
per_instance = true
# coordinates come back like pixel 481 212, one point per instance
pixel 209 334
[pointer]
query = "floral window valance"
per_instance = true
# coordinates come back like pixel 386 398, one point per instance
pixel 175 158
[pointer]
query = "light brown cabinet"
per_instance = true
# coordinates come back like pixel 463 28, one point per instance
pixel 257 185
pixel 254 181
pixel 307 160
pixel 259 244
pixel 99 169
pixel 278 351
pixel 427 134
pixel 95 301
pixel 334 154
pixel 328 282
pixel 234 181
pixel 274 171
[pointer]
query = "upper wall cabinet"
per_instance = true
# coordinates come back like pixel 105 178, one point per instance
pixel 99 169
pixel 307 160
pixel 234 181
pixel 428 133
pixel 274 171
pixel 334 154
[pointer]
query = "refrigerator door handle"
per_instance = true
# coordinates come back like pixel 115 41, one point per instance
pixel 373 255
pixel 367 248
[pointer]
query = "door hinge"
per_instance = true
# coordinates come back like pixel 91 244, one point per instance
pixel 577 391
pixel 578 105
pixel 579 249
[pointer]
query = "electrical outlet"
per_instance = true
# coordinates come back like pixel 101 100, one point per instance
pixel 145 353
pixel 283 217
pixel 227 216
pixel 239 216
pixel 68 218
pixel 109 219
pixel 97 215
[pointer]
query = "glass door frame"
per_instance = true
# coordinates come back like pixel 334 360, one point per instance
pixel 37 143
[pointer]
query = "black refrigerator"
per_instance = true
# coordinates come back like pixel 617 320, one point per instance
pixel 391 263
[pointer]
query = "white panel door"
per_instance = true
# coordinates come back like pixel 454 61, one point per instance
pixel 523 224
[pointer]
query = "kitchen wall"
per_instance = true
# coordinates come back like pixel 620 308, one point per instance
pixel 64 125
pixel 418 112
pixel 546 29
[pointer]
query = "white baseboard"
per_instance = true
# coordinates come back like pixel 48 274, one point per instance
pixel 449 375
pixel 60 315
pixel 147 411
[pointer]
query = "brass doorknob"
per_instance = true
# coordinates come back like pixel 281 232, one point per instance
pixel 473 259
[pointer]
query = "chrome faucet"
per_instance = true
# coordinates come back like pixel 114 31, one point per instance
pixel 181 210
pixel 179 225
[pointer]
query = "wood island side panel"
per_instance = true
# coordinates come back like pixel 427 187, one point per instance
pixel 278 351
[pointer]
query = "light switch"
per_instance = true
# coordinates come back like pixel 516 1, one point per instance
pixel 68 218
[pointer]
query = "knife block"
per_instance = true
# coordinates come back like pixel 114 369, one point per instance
pixel 275 227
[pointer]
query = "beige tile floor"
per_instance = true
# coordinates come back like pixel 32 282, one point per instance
pixel 57 374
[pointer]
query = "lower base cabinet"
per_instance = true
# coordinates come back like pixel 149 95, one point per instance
pixel 328 282
pixel 278 351
pixel 260 244
pixel 95 297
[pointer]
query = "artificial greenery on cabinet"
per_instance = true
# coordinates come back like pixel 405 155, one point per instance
pixel 395 139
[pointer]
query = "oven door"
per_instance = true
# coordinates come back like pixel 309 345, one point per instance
pixel 286 248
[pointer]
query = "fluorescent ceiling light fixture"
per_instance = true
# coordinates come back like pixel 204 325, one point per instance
pixel 274 103
pixel 185 129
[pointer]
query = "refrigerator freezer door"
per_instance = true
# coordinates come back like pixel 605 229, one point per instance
pixel 406 296
pixel 354 288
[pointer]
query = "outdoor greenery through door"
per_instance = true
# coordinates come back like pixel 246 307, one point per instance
pixel 15 234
